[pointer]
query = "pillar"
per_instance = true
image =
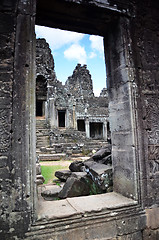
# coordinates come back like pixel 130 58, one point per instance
pixel 51 113
pixel 87 127
pixel 105 130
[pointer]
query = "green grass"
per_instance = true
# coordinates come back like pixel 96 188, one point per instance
pixel 48 172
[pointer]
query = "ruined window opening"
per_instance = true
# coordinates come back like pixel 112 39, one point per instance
pixel 81 125
pixel 96 130
pixel 61 118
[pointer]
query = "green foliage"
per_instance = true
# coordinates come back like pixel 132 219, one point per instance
pixel 48 172
pixel 58 184
pixel 94 189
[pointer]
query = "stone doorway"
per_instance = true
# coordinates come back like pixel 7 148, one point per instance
pixel 62 118
pixel 96 130
pixel 129 30
pixel 81 125
pixel 39 108
pixel 41 95
pixel 109 24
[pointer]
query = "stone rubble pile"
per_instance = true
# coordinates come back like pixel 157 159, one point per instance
pixel 92 176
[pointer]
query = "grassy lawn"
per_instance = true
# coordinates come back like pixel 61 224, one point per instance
pixel 48 172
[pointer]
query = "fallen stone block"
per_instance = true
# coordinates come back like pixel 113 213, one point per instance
pixel 63 174
pixel 79 175
pixel 76 166
pixel 106 160
pixel 40 179
pixel 74 187
pixel 38 169
pixel 103 152
pixel 101 174
pixel 51 192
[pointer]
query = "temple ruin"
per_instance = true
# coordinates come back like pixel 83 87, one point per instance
pixel 70 122
pixel 69 112
pixel 131 40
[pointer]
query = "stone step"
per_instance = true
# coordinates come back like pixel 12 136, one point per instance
pixel 51 157
pixel 39 135
pixel 42 130
pixel 42 142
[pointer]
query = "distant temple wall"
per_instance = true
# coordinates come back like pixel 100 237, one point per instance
pixel 64 105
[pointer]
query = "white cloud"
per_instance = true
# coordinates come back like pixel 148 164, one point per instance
pixel 57 38
pixel 76 52
pixel 92 55
pixel 97 92
pixel 97 43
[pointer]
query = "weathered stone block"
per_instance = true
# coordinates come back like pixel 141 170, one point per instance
pixel 63 174
pixel 124 173
pixel 74 234
pixel 3 161
pixel 133 236
pixel 105 230
pixel 120 94
pixel 152 218
pixel 121 121
pixel 149 234
pixel 40 179
pixel 103 152
pixel 130 225
pixel 79 175
pixel 106 160
pixel 73 188
pixel 38 169
pixel 122 139
pixel 51 192
pixel 4 173
pixel 101 174
pixel 76 166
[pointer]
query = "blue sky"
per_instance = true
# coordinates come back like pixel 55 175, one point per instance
pixel 69 48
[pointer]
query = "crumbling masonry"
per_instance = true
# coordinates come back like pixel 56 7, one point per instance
pixel 131 37
pixel 70 110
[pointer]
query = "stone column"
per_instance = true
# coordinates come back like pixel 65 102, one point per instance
pixel 43 108
pixel 105 130
pixel 74 117
pixel 17 116
pixel 46 111
pixel 51 113
pixel 87 127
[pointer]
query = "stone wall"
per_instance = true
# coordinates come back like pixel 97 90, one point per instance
pixel 146 49
pixel 17 146
pixel 45 65
pixel 80 83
